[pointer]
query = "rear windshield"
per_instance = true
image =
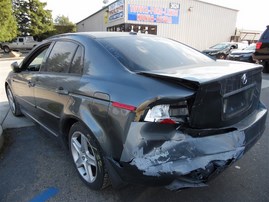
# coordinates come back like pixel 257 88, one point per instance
pixel 265 35
pixel 145 53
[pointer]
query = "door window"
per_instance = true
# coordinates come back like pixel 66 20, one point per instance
pixel 77 63
pixel 37 61
pixel 61 57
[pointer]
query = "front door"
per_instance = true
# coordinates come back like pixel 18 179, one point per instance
pixel 23 83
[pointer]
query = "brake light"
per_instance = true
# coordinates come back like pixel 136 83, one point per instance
pixel 168 121
pixel 168 114
pixel 258 45
pixel 123 106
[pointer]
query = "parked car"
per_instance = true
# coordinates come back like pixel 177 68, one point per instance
pixel 221 50
pixel 20 43
pixel 261 53
pixel 141 109
pixel 244 55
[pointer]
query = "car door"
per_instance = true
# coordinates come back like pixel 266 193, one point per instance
pixel 20 43
pixel 56 80
pixel 23 83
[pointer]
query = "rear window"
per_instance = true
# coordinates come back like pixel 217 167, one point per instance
pixel 265 35
pixel 145 53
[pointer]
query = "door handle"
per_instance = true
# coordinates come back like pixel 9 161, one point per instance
pixel 62 91
pixel 31 84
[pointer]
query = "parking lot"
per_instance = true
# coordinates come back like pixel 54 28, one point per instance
pixel 34 167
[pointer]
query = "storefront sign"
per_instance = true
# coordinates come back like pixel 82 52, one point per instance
pixel 153 14
pixel 116 10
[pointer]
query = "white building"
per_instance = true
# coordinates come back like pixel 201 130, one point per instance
pixel 196 23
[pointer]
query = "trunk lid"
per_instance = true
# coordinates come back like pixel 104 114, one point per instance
pixel 225 91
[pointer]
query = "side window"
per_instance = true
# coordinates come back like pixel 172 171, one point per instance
pixel 20 39
pixel 37 61
pixel 77 63
pixel 60 57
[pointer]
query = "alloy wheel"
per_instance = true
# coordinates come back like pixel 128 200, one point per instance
pixel 84 156
pixel 11 101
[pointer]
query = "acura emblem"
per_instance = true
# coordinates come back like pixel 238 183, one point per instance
pixel 244 79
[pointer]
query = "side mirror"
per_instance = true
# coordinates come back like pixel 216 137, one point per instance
pixel 15 67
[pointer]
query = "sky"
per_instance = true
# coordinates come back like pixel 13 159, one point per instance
pixel 252 15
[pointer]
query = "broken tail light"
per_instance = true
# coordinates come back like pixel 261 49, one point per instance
pixel 168 113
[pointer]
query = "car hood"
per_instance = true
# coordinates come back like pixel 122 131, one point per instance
pixel 200 74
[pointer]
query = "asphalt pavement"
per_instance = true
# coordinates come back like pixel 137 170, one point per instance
pixel 34 167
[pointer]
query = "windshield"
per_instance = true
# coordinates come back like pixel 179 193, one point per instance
pixel 220 46
pixel 144 53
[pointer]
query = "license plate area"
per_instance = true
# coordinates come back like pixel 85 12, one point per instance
pixel 237 102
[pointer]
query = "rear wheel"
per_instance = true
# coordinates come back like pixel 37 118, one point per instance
pixel 14 106
pixel 266 67
pixel 6 49
pixel 87 157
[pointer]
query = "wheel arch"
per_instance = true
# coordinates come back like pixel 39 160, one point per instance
pixel 92 125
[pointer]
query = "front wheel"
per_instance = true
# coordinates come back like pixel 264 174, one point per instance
pixel 222 56
pixel 14 106
pixel 87 157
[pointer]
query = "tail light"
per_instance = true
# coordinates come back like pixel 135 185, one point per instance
pixel 168 113
pixel 258 45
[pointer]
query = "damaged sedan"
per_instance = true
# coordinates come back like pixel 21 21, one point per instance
pixel 135 108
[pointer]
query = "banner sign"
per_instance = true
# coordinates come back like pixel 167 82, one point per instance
pixel 153 14
pixel 116 11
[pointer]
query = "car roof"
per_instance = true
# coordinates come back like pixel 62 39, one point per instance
pixel 96 35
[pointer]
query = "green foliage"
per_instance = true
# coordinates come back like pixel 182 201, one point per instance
pixel 32 17
pixel 62 20
pixel 64 25
pixel 8 26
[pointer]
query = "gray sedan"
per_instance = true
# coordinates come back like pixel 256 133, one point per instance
pixel 136 108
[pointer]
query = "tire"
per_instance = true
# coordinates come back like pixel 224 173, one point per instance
pixel 266 67
pixel 222 56
pixel 14 106
pixel 87 157
pixel 6 49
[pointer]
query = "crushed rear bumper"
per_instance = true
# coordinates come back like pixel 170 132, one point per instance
pixel 160 154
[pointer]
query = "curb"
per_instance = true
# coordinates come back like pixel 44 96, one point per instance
pixel 14 58
pixel 1 137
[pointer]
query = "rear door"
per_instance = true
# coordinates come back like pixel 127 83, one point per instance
pixel 57 79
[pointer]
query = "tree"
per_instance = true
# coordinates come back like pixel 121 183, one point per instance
pixel 21 13
pixel 8 26
pixel 64 25
pixel 62 20
pixel 41 19
pixel 32 17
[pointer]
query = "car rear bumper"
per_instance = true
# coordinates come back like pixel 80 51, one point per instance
pixel 260 57
pixel 159 154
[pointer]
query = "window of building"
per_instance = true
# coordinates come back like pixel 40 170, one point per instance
pixel 139 28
